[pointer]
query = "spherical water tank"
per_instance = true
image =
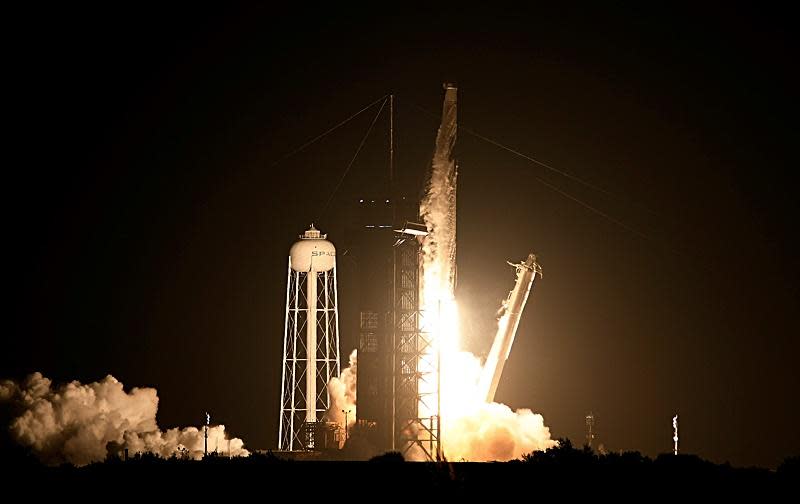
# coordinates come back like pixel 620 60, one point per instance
pixel 312 252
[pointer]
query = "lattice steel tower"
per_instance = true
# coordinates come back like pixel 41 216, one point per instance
pixel 415 358
pixel 311 340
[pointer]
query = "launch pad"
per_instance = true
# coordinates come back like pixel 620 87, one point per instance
pixel 404 252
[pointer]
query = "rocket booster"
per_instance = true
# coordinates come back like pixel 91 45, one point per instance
pixel 507 326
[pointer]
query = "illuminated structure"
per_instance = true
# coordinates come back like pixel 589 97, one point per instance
pixel 507 326
pixel 675 434
pixel 589 429
pixel 398 359
pixel 416 423
pixel 311 341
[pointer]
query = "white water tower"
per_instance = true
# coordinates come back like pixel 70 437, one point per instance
pixel 310 341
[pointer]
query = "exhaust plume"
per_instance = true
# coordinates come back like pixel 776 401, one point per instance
pixel 438 211
pixel 81 424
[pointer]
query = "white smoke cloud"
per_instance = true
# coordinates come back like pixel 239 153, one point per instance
pixel 7 390
pixel 495 432
pixel 189 440
pixel 475 430
pixel 81 424
pixel 342 391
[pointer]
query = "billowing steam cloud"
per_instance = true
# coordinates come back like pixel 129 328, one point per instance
pixel 342 391
pixel 475 430
pixel 495 432
pixel 81 424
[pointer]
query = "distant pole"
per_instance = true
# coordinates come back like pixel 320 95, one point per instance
pixel 675 433
pixel 345 423
pixel 205 446
pixel 391 142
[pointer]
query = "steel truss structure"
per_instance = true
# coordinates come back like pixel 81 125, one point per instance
pixel 311 298
pixel 415 363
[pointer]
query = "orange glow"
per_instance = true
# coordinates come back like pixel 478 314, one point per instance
pixel 472 429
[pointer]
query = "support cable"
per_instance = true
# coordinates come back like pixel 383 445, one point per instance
pixel 329 131
pixel 350 164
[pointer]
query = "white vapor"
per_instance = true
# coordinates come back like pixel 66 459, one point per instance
pixel 342 391
pixel 495 432
pixel 84 423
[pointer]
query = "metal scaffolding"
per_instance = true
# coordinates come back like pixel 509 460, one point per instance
pixel 415 377
pixel 310 299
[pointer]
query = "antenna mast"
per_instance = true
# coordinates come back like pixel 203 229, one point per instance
pixel 205 444
pixel 391 160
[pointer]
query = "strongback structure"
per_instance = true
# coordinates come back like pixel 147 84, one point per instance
pixel 311 341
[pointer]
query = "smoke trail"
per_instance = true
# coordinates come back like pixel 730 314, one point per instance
pixel 81 424
pixel 438 211
pixel 342 391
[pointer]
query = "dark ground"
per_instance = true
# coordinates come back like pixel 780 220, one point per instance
pixel 563 472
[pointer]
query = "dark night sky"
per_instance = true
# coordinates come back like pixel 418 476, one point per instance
pixel 147 229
